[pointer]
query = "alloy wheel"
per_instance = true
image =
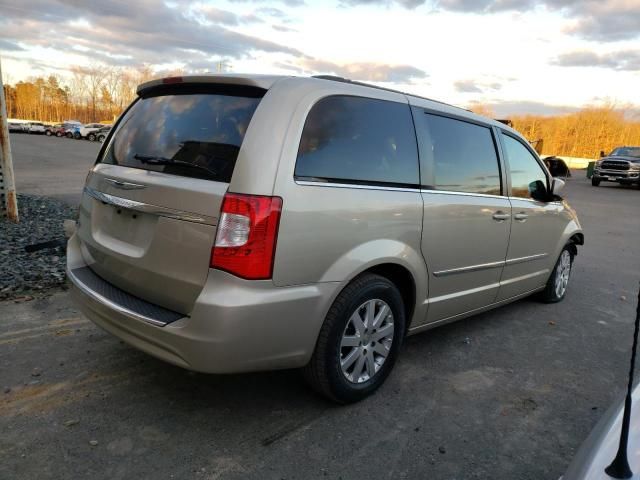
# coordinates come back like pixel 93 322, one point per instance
pixel 562 273
pixel 366 341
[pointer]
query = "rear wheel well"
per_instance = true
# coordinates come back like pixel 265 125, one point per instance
pixel 401 278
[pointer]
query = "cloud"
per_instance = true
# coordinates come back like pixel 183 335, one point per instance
pixel 289 3
pixel 271 12
pixel 600 20
pixel 283 28
pixel 364 71
pixel 123 33
pixel 625 60
pixel 607 21
pixel 411 4
pixel 6 45
pixel 467 86
pixel 215 15
pixel 475 86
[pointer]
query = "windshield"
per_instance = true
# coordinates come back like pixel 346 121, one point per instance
pixel 203 129
pixel 626 152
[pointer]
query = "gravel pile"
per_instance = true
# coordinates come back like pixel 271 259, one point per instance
pixel 23 274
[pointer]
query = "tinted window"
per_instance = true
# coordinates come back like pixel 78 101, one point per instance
pixel 527 176
pixel 626 152
pixel 360 140
pixel 201 133
pixel 457 156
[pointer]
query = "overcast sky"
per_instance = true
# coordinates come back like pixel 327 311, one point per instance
pixel 520 56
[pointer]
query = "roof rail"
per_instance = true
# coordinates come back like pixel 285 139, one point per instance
pixel 335 78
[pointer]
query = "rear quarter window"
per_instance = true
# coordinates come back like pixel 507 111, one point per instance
pixel 358 140
pixel 192 133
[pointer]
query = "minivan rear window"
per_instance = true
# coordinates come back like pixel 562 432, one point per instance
pixel 191 133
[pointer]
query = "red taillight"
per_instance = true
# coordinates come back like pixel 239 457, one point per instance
pixel 246 236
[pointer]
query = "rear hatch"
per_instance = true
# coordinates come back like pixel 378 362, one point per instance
pixel 149 211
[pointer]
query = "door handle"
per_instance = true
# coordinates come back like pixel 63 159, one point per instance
pixel 500 216
pixel 520 217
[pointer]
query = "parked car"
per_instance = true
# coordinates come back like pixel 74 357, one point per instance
pixel 55 130
pixel 15 127
pixel 622 166
pixel 89 128
pixel 243 223
pixel 99 134
pixel 36 127
pixel 72 128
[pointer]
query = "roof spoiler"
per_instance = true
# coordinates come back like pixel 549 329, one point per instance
pixel 257 81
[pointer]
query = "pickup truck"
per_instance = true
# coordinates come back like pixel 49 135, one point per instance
pixel 622 165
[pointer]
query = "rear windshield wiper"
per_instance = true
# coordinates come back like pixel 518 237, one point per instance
pixel 156 160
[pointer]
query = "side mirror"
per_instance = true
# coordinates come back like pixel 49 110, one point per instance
pixel 556 186
pixel 601 153
pixel 538 191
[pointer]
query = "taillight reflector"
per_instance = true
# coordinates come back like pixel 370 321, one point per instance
pixel 246 236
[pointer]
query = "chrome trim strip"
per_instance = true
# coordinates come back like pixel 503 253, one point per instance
pixel 124 185
pixel 147 208
pixel 110 304
pixel 428 326
pixel 463 293
pixel 470 268
pixel 356 186
pixel 530 200
pixel 524 277
pixel 392 189
pixel 538 256
pixel 463 194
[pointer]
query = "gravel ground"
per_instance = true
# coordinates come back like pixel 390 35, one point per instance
pixel 24 275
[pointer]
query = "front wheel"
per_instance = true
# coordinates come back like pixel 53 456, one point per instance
pixel 69 135
pixel 556 287
pixel 48 133
pixel 595 181
pixel 359 340
pixel 92 137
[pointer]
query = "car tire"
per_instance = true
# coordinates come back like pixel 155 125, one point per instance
pixel 101 138
pixel 48 133
pixel 77 135
pixel 92 137
pixel 362 333
pixel 595 181
pixel 69 135
pixel 557 285
pixel 58 134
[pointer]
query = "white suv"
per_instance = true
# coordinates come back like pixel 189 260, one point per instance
pixel 36 127
pixel 85 130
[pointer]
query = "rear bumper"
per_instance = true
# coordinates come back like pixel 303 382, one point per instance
pixel 235 326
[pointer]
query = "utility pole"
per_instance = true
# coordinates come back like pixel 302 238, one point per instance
pixel 222 66
pixel 7 181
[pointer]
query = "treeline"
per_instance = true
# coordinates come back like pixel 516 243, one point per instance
pixel 581 134
pixel 89 94
pixel 100 93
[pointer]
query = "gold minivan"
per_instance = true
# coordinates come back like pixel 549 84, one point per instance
pixel 237 223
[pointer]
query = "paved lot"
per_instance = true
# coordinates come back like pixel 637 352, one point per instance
pixel 51 166
pixel 509 394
